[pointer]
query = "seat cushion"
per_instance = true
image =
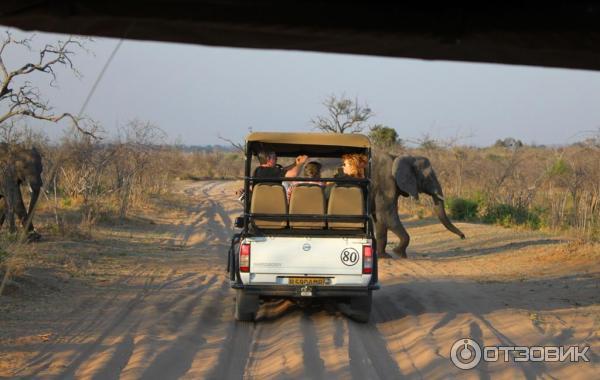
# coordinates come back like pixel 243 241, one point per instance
pixel 345 200
pixel 307 199
pixel 269 198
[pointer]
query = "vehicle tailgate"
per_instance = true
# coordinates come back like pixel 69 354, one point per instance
pixel 306 255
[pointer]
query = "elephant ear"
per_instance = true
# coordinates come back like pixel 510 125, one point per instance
pixel 403 172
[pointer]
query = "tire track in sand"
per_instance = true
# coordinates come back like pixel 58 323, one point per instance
pixel 175 360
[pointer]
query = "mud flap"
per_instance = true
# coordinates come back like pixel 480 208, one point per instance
pixel 246 306
pixel 231 256
pixel 358 309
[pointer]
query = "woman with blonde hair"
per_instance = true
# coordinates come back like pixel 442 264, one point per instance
pixel 354 165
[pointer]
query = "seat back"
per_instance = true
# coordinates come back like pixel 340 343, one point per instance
pixel 345 200
pixel 269 198
pixel 307 199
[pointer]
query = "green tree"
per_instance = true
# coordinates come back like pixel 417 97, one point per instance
pixel 383 136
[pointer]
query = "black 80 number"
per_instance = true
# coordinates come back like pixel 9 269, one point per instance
pixel 349 256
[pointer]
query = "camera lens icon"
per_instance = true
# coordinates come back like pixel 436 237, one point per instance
pixel 465 353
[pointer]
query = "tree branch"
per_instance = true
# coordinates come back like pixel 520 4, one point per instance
pixel 237 146
pixel 343 115
pixel 26 101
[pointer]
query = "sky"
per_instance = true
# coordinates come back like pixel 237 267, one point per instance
pixel 197 93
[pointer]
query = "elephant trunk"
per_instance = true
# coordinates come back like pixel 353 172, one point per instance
pixel 441 214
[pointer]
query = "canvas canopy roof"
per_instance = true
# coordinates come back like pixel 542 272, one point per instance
pixel 317 144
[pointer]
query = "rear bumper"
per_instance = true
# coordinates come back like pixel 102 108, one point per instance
pixel 317 291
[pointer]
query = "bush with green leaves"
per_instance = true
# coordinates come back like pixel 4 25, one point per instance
pixel 382 136
pixel 462 209
pixel 507 216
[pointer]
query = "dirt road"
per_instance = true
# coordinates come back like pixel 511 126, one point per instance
pixel 154 303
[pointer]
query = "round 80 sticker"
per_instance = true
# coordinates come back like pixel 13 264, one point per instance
pixel 349 256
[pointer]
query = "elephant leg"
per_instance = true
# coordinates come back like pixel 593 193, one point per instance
pixel 2 211
pixel 20 209
pixel 381 239
pixel 35 194
pixel 9 212
pixel 10 220
pixel 395 225
pixel 8 186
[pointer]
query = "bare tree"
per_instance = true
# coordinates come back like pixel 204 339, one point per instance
pixel 75 169
pixel 19 98
pixel 12 134
pixel 138 144
pixel 344 115
pixel 238 146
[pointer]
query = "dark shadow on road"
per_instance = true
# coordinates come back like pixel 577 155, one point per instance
pixel 422 252
pixel 394 302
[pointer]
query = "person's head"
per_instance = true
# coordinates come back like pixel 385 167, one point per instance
pixel 354 164
pixel 312 170
pixel 267 158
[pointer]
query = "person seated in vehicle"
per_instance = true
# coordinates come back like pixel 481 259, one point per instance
pixel 269 168
pixel 347 198
pixel 312 169
pixel 354 165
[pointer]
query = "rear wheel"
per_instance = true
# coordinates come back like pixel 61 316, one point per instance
pixel 360 308
pixel 246 306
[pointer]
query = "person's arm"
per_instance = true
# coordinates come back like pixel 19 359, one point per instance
pixel 294 169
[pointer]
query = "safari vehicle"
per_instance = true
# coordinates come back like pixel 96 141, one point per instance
pixel 312 246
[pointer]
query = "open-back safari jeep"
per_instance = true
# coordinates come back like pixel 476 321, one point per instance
pixel 310 245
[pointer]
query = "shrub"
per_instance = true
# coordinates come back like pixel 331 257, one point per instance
pixel 507 215
pixel 559 168
pixel 67 202
pixel 462 209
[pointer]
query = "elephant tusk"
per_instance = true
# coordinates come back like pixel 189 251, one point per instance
pixel 441 198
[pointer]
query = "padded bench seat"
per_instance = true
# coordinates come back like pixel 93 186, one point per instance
pixel 345 200
pixel 307 199
pixel 269 198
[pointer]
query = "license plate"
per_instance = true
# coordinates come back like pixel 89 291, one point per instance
pixel 306 281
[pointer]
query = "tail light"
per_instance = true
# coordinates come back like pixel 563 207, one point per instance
pixel 367 259
pixel 245 258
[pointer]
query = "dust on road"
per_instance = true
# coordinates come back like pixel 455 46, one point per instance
pixel 164 309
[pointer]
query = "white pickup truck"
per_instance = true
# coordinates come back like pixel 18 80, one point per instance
pixel 317 244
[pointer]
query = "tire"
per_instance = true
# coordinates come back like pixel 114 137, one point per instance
pixel 246 306
pixel 360 308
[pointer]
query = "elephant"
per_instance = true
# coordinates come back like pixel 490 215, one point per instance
pixel 407 176
pixel 19 166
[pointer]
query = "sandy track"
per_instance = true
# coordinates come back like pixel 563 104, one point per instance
pixel 171 314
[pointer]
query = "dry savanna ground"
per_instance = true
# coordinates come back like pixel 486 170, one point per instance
pixel 150 299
